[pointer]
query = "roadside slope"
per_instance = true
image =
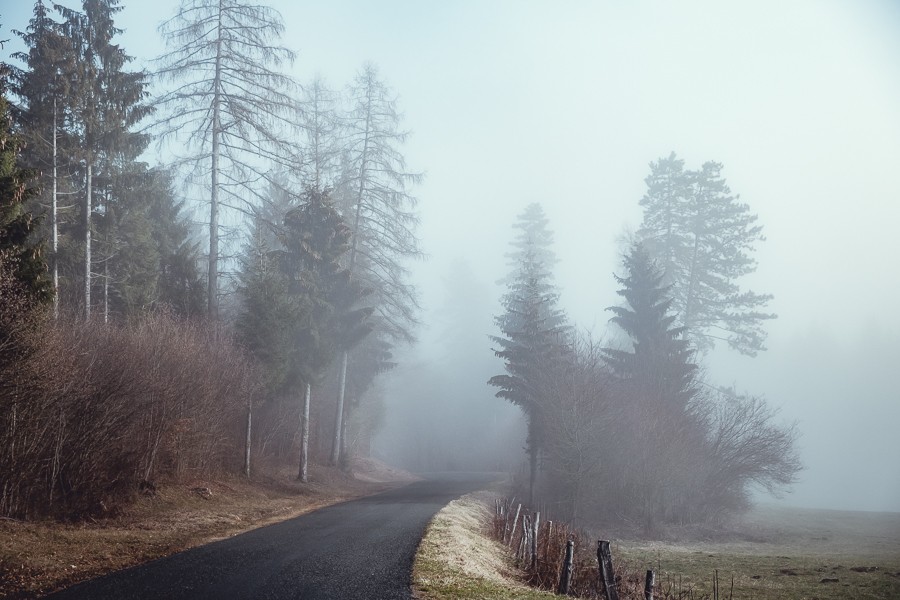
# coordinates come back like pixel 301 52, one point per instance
pixel 457 560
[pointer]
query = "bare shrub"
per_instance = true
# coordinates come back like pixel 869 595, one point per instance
pixel 93 409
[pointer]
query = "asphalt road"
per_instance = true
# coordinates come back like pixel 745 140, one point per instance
pixel 359 549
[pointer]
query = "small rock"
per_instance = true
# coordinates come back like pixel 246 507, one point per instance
pixel 829 580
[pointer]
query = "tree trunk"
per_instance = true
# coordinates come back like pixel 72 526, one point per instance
pixel 87 241
pixel 106 290
pixel 54 227
pixel 303 475
pixel 338 430
pixel 212 290
pixel 339 421
pixel 247 440
pixel 532 469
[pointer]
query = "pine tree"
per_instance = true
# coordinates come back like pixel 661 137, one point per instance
pixel 534 333
pixel 703 237
pixel 300 303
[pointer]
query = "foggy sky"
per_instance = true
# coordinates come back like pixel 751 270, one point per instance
pixel 566 103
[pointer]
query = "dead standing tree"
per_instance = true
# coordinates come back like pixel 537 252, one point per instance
pixel 380 211
pixel 230 106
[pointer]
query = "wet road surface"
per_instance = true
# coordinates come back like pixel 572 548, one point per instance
pixel 359 549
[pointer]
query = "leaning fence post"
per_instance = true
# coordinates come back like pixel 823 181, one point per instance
pixel 648 585
pixel 565 578
pixel 607 576
pixel 512 531
pixel 535 528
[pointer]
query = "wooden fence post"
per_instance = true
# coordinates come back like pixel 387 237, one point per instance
pixel 648 585
pixel 512 531
pixel 535 528
pixel 565 578
pixel 607 575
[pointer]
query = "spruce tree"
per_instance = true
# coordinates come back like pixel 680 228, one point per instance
pixel 42 88
pixel 21 256
pixel 658 438
pixel 658 367
pixel 107 101
pixel 534 333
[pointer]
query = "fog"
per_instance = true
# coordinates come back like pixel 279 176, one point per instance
pixel 565 104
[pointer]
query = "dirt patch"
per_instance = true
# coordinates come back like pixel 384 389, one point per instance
pixel 37 558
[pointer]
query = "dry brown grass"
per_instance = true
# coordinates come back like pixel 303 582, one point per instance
pixel 39 557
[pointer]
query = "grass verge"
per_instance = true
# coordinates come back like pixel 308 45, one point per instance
pixel 456 559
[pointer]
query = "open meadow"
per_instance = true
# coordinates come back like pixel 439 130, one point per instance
pixel 782 552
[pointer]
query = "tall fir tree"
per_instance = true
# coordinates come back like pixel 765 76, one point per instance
pixel 107 101
pixel 658 436
pixel 42 87
pixel 21 256
pixel 301 305
pixel 658 367
pixel 534 333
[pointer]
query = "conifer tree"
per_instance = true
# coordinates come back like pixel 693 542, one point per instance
pixel 534 333
pixel 107 101
pixel 21 257
pixel 42 88
pixel 656 383
pixel 301 305
pixel 704 238
pixel 658 367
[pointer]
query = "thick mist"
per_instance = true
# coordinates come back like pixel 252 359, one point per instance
pixel 566 104
pixel 442 416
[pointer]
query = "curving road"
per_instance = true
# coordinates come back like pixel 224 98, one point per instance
pixel 359 549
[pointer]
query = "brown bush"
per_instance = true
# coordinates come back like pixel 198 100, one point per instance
pixel 88 411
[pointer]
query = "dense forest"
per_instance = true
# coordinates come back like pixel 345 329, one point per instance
pixel 233 306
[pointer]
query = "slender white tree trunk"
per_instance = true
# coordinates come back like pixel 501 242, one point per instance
pixel 247 441
pixel 54 226
pixel 304 438
pixel 339 423
pixel 87 242
pixel 106 290
pixel 212 290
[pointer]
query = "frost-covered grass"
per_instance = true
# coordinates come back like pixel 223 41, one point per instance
pixel 457 560
pixel 774 553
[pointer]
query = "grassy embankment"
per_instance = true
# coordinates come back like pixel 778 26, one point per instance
pixel 773 553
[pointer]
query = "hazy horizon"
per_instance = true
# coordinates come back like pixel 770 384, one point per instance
pixel 566 104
